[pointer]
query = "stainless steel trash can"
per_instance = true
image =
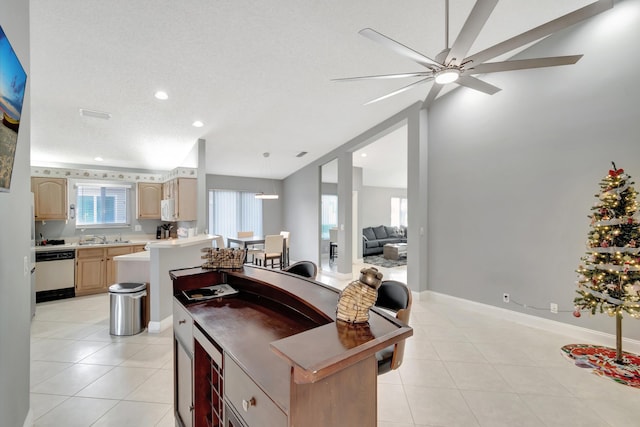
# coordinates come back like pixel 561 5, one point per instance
pixel 127 308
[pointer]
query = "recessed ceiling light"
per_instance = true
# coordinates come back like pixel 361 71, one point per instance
pixel 98 159
pixel 161 95
pixel 198 124
pixel 363 155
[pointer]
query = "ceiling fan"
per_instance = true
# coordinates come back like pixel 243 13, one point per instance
pixel 452 65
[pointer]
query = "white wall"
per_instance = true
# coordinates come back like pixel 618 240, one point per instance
pixel 302 213
pixel 512 176
pixel 375 204
pixel 15 288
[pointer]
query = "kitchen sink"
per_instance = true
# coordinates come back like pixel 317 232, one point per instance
pixel 106 242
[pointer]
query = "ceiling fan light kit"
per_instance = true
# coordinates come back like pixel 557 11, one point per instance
pixel 448 75
pixel 454 65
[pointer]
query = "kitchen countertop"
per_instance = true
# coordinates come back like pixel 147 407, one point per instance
pixel 136 256
pixel 71 246
pixel 179 243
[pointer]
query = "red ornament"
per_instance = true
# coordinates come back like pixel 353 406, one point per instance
pixel 630 220
pixel 576 313
pixel 604 244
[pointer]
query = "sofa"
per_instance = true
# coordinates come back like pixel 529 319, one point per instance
pixel 374 238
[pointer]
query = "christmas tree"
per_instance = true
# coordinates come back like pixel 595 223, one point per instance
pixel 609 278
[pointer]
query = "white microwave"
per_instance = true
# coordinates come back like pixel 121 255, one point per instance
pixel 168 210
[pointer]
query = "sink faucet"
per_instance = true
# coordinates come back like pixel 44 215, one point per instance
pixel 103 238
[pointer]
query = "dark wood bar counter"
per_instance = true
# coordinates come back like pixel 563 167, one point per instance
pixel 273 354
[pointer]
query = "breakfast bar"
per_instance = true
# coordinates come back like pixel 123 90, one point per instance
pixel 273 354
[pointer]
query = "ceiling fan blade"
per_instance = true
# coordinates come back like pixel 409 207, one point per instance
pixel 523 64
pixel 389 95
pixel 399 48
pixel 385 76
pixel 470 30
pixel 477 84
pixel 433 93
pixel 541 31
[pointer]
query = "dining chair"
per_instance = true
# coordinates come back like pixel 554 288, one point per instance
pixel 251 249
pixel 394 296
pixel 219 242
pixel 333 243
pixel 303 268
pixel 287 239
pixel 272 251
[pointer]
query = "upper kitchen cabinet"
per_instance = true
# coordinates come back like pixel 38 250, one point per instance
pixel 149 197
pixel 184 192
pixel 50 196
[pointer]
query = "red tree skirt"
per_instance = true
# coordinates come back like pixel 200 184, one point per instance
pixel 603 362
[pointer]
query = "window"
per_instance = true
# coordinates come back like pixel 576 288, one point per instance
pixel 329 214
pixel 233 211
pixel 398 212
pixel 102 205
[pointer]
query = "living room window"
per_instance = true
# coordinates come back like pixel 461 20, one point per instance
pixel 329 214
pixel 102 205
pixel 398 212
pixel 233 211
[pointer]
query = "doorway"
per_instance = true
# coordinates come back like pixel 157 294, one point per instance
pixel 328 215
pixel 380 188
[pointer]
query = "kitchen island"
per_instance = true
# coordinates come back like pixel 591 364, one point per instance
pixel 273 354
pixel 166 255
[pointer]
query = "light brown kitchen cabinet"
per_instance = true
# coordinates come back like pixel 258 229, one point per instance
pixel 185 193
pixel 96 269
pixel 149 195
pixel 50 197
pixel 90 271
pixel 168 189
pixel 138 248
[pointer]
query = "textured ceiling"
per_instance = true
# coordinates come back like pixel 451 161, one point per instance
pixel 257 73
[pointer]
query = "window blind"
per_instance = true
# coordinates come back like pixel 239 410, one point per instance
pixel 102 205
pixel 232 211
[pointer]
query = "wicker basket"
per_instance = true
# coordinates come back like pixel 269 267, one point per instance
pixel 223 258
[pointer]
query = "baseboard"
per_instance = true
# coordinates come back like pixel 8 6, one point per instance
pixel 157 327
pixel 589 336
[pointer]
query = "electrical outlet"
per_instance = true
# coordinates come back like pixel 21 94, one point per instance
pixel 505 298
pixel 26 266
pixel 553 307
pixel 137 227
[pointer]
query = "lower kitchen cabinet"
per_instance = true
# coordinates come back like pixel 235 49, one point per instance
pixel 90 271
pixel 96 269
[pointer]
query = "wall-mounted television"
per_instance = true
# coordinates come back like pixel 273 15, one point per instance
pixel 13 81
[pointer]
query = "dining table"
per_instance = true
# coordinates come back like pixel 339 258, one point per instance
pixel 245 242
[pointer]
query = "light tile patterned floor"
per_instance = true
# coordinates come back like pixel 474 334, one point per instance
pixel 460 369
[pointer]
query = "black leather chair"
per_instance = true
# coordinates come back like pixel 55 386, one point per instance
pixel 394 296
pixel 303 268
